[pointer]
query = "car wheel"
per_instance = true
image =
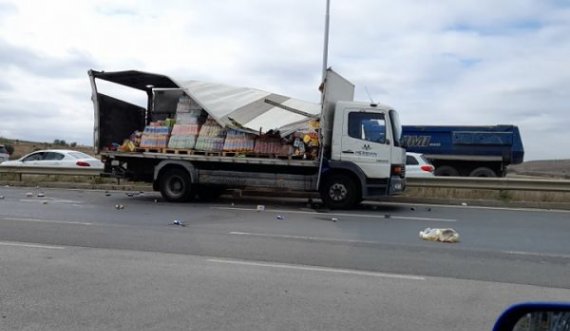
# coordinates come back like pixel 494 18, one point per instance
pixel 482 172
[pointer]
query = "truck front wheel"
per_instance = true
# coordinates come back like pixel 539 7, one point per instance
pixel 339 191
pixel 175 185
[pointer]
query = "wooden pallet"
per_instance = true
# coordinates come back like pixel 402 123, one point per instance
pixel 148 150
pixel 180 151
pixel 206 153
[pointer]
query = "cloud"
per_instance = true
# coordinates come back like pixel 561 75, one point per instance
pixel 452 62
pixel 27 60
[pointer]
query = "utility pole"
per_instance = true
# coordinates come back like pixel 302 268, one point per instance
pixel 326 46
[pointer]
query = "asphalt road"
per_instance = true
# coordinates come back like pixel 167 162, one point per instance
pixel 70 260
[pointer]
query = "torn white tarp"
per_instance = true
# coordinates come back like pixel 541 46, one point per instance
pixel 247 107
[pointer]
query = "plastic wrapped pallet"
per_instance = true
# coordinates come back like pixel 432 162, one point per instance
pixel 237 141
pixel 211 137
pixel 268 145
pixel 185 130
pixel 155 135
pixel 182 142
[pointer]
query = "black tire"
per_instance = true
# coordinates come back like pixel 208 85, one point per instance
pixel 446 171
pixel 208 193
pixel 176 185
pixel 340 191
pixel 482 172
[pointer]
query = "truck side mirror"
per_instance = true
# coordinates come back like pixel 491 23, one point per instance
pixel 534 316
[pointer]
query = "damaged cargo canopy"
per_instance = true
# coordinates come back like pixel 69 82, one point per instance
pixel 240 107
pixel 231 107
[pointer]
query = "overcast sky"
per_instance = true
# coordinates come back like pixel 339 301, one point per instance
pixel 437 62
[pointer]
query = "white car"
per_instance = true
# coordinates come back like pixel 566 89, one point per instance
pixel 418 166
pixel 56 158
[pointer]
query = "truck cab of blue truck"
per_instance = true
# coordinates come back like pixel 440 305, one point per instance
pixel 476 151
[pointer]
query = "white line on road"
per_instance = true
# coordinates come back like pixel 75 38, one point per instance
pixel 19 244
pixel 322 269
pixel 15 219
pixel 267 235
pixel 429 219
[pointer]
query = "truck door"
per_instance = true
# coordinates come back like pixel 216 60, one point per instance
pixel 365 142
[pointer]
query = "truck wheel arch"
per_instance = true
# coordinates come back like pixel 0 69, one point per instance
pixel 167 164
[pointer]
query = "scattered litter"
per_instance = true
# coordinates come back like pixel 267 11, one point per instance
pixel 387 216
pixel 260 207
pixel 155 200
pixel 334 219
pixel 442 235
pixel 280 218
pixel 6 185
pixel 130 195
pixel 412 208
pixel 464 203
pixel 233 204
pixel 44 202
pixel 29 194
pixel 177 222
pixel 119 207
pixel 428 209
pixel 1 197
pixel 41 195
pixel 107 194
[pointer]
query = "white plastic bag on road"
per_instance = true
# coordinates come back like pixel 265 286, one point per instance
pixel 443 235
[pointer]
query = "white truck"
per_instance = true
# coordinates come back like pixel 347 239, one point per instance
pixel 353 163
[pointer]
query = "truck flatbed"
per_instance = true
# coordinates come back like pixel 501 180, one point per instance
pixel 211 158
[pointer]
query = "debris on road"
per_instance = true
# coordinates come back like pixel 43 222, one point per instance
pixel 119 207
pixel 442 235
pixel 177 222
pixel 428 209
pixel 387 216
pixel 41 195
pixel 107 194
pixel 155 200
pixel 44 202
pixel 260 207
pixel 334 219
pixel 280 218
pixel 1 197
pixel 130 195
pixel 464 203
pixel 29 194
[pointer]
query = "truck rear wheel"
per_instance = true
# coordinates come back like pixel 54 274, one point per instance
pixel 175 185
pixel 482 172
pixel 446 171
pixel 339 191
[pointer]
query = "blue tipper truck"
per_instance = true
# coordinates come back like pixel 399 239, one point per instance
pixel 477 151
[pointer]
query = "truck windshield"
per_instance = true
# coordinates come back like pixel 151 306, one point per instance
pixel 396 127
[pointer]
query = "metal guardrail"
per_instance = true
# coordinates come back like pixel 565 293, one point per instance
pixel 486 183
pixel 49 171
pixel 478 183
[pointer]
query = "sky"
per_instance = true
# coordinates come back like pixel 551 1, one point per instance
pixel 481 62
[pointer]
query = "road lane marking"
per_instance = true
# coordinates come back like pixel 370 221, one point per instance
pixel 536 254
pixel 20 244
pixel 409 218
pixel 16 219
pixel 321 269
pixel 279 236
pixel 457 206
